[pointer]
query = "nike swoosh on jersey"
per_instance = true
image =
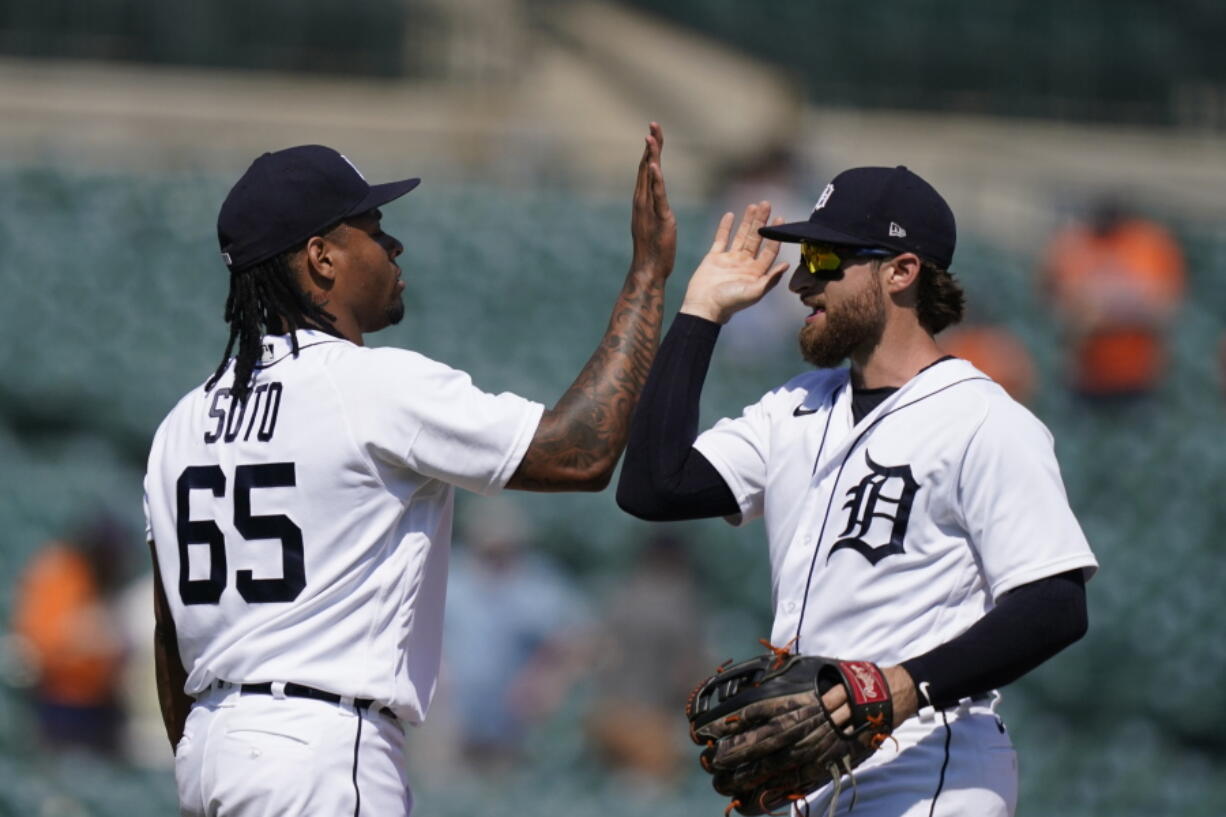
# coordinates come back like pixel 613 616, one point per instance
pixel 801 411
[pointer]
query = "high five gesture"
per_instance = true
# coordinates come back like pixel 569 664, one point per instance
pixel 737 273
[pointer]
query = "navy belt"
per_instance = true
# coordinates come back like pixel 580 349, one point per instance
pixel 293 690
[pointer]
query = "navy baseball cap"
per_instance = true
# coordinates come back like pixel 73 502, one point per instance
pixel 887 207
pixel 288 196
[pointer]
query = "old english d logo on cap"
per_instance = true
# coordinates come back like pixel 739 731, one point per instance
pixel 825 197
pixel 349 162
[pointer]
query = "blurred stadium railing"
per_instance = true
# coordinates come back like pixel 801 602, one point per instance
pixel 1128 61
pixel 113 310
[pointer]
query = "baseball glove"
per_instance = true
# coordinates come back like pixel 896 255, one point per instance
pixel 769 740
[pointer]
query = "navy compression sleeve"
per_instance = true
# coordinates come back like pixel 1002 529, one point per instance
pixel 1028 625
pixel 663 477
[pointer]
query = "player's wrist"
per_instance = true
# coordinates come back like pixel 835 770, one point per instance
pixel 902 692
pixel 653 272
pixel 704 310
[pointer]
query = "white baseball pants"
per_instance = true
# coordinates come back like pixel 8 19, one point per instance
pixel 262 756
pixel 954 763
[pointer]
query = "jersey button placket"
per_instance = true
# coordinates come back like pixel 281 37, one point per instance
pixel 798 559
pixel 807 563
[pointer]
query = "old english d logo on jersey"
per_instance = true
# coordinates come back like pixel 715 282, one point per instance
pixel 886 493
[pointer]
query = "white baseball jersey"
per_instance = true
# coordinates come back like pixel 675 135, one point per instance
pixel 305 537
pixel 891 536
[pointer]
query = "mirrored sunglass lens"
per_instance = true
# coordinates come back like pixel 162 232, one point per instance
pixel 819 258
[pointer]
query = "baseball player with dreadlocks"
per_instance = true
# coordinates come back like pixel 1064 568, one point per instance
pixel 299 502
pixel 919 533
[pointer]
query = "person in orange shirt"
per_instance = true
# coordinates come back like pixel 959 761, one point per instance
pixel 70 638
pixel 996 352
pixel 1116 281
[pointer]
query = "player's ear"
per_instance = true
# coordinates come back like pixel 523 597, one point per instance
pixel 902 271
pixel 320 259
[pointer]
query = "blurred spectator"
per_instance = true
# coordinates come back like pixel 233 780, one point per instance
pixel 62 619
pixel 996 352
pixel 513 639
pixel 650 654
pixel 144 733
pixel 770 328
pixel 1116 281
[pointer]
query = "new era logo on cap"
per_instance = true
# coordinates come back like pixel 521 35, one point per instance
pixel 872 206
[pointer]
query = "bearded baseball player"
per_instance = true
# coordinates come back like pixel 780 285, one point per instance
pixel 922 549
pixel 299 501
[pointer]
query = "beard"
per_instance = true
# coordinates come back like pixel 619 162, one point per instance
pixel 859 323
pixel 395 312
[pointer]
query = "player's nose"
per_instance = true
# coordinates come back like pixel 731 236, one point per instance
pixel 393 246
pixel 803 281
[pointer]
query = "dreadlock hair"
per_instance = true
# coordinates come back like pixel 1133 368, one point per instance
pixel 265 299
pixel 939 299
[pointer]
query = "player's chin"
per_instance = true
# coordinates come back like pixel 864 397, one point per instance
pixel 395 312
pixel 819 348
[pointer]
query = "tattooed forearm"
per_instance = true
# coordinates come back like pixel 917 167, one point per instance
pixel 579 441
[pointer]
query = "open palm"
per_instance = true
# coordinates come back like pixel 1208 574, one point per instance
pixel 736 272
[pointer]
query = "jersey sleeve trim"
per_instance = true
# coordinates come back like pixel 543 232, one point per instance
pixel 1083 561
pixel 523 439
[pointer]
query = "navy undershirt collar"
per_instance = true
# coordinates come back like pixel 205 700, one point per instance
pixel 864 401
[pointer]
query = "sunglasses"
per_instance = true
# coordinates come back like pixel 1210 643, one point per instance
pixel 826 258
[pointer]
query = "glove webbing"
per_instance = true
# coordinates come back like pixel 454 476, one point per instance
pixel 836 775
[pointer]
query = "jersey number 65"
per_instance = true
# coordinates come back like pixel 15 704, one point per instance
pixel 206 532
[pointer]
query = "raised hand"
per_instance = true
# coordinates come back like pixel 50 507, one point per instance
pixel 652 223
pixel 735 273
pixel 579 441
